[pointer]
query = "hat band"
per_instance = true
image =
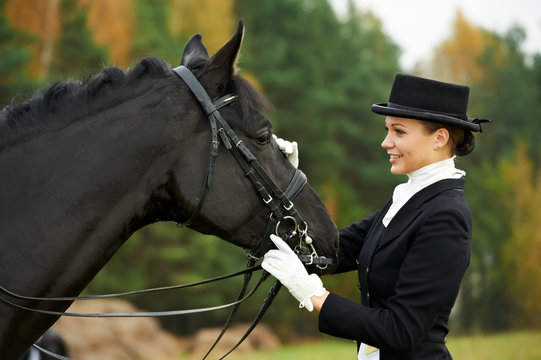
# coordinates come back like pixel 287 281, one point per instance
pixel 410 108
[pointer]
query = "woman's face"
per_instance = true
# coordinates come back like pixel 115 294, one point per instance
pixel 409 146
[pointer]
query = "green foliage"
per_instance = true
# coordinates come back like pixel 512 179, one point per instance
pixel 522 253
pixel 14 60
pixel 75 53
pixel 322 74
pixel 509 94
pixel 152 32
pixel 483 290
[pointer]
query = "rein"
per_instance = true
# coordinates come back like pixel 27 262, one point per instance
pixel 134 314
pixel 283 215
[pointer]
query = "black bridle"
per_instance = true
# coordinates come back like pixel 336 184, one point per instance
pixel 283 215
pixel 282 210
pixel 279 202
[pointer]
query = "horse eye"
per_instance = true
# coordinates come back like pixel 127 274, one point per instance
pixel 263 138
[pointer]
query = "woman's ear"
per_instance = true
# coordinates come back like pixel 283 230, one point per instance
pixel 441 138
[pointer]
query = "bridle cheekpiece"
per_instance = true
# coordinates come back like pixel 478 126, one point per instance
pixel 282 210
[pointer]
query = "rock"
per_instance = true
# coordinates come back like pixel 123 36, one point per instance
pixel 260 338
pixel 115 338
pixel 143 338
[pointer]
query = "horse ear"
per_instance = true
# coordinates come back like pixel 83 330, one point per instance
pixel 194 49
pixel 222 64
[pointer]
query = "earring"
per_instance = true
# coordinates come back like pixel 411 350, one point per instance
pixel 437 147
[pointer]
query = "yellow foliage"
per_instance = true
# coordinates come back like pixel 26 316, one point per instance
pixel 455 59
pixel 111 23
pixel 523 251
pixel 213 19
pixel 39 18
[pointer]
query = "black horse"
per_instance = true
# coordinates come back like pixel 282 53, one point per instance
pixel 84 165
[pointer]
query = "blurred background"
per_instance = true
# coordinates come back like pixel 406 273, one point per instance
pixel 322 64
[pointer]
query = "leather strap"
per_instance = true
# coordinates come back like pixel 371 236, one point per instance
pixel 137 314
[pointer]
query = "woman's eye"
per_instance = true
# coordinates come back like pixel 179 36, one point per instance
pixel 400 132
pixel 263 138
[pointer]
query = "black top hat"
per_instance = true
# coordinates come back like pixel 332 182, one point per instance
pixel 429 100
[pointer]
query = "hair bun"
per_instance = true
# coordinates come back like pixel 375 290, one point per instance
pixel 467 144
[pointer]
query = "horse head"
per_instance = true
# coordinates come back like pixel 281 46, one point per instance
pixel 232 209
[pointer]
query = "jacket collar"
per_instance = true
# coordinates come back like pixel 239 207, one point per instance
pixel 411 209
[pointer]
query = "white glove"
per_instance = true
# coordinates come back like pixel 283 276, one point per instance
pixel 284 265
pixel 290 149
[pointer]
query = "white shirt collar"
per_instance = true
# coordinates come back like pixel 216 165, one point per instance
pixel 432 173
pixel 418 180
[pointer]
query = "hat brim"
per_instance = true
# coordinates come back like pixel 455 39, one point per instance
pixel 385 109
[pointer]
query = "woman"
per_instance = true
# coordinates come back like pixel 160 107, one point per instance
pixel 410 255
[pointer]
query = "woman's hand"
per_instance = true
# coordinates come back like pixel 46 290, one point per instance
pixel 284 265
pixel 290 149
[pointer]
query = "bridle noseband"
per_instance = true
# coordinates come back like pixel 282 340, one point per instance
pixel 282 210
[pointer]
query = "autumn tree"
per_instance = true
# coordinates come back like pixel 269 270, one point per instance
pixel 215 20
pixel 39 18
pixel 523 250
pixel 14 60
pixel 503 83
pixel 455 60
pixel 112 25
pixel 509 94
pixel 75 53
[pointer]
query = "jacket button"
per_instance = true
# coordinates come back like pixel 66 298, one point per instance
pixel 367 269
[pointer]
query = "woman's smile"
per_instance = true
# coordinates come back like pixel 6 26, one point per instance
pixel 409 146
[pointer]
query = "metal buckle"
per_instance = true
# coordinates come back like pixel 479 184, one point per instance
pixel 288 207
pixel 322 267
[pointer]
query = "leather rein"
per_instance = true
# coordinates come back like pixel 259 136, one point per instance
pixel 283 215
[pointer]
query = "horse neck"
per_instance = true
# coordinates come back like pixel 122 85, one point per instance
pixel 74 195
pixel 77 193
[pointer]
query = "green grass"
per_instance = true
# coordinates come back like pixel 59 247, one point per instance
pixel 506 346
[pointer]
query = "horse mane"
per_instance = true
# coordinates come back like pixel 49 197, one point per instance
pixel 72 100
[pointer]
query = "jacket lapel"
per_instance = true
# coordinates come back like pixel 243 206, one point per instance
pixel 413 208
